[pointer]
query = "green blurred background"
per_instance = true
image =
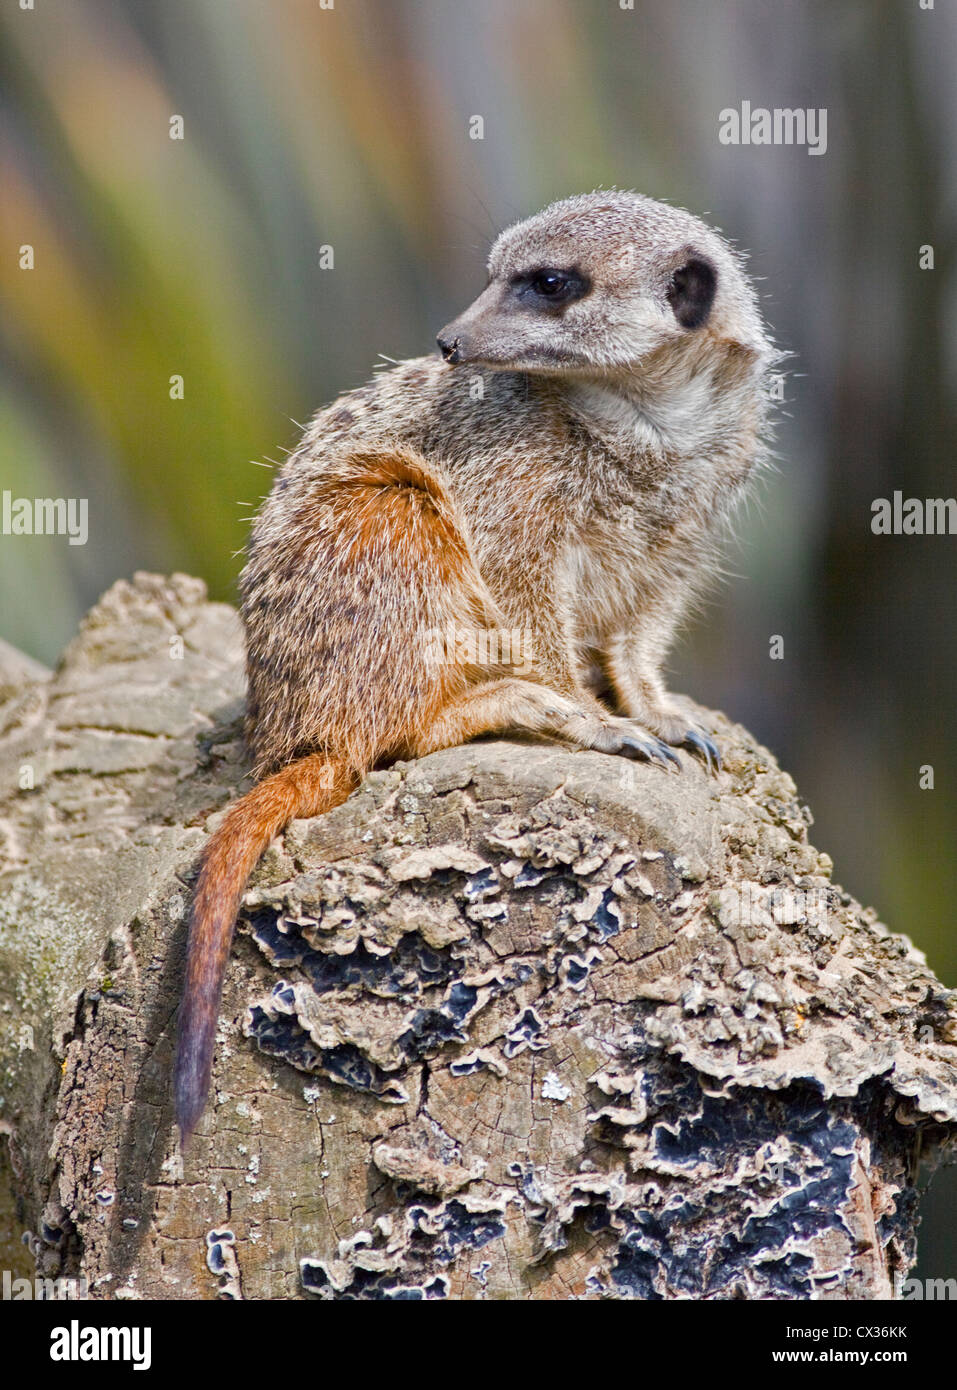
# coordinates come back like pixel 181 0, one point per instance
pixel 349 127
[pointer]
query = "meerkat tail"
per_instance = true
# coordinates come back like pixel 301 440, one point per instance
pixel 307 787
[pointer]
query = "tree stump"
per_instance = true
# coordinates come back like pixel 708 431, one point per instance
pixel 514 1022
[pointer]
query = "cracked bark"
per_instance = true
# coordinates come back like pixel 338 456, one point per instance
pixel 513 1022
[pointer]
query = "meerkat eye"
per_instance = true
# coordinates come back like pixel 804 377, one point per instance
pixel 549 283
pixel 691 292
pixel 555 288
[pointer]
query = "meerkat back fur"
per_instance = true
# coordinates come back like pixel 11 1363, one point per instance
pixel 561 471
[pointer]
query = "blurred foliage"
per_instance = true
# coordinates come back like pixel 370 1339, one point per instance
pixel 349 127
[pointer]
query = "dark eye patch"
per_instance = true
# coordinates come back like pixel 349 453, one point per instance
pixel 691 292
pixel 549 287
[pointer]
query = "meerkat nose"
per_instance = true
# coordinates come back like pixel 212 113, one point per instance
pixel 449 348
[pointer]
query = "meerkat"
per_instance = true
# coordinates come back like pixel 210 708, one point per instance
pixel 560 470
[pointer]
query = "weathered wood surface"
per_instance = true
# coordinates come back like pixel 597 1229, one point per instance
pixel 514 1022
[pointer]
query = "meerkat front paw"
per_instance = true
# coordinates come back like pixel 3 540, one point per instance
pixel 630 740
pixel 680 732
pixel 522 704
pixel 623 738
pixel 672 726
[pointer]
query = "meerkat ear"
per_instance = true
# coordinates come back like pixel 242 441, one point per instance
pixel 691 291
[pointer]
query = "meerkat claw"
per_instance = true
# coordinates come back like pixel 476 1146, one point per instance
pixel 651 749
pixel 706 747
pixel 671 757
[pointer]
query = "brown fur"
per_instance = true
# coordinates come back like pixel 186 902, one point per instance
pixel 564 481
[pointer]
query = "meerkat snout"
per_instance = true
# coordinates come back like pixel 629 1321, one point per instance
pixel 490 331
pixel 449 346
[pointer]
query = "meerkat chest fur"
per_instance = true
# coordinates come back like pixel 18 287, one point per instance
pixel 610 492
pixel 678 448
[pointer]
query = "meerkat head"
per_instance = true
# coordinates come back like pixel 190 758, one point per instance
pixel 596 283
